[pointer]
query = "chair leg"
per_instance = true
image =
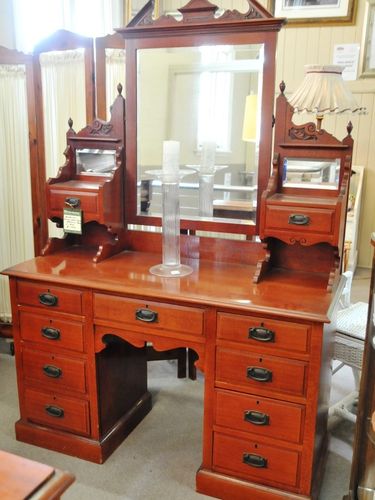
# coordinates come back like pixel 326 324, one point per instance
pixel 179 354
pixel 192 357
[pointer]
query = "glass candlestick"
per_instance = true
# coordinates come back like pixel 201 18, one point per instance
pixel 171 265
pixel 206 188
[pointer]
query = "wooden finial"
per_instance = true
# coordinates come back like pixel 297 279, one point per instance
pixel 282 86
pixel 119 88
pixel 70 123
pixel 349 128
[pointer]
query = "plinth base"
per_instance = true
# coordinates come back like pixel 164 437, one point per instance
pixel 171 271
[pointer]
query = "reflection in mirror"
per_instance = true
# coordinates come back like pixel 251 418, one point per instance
pixel 114 74
pixel 95 161
pixel 208 99
pixel 311 173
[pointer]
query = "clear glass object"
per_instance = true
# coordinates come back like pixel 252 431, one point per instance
pixel 171 266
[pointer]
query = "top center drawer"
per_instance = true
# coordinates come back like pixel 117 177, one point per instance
pixel 154 316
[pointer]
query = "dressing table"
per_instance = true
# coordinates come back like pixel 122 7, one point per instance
pixel 81 326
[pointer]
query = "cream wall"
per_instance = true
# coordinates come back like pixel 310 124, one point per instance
pixel 7 38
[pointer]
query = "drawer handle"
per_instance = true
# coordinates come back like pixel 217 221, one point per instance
pixel 54 411
pixel 146 315
pixel 52 371
pixel 50 333
pixel 299 219
pixel 73 202
pixel 256 417
pixel 261 334
pixel 254 460
pixel 259 374
pixel 48 299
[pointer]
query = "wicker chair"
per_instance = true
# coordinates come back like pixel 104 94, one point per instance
pixel 348 348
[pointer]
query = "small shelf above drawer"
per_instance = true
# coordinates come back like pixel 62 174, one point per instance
pixel 49 297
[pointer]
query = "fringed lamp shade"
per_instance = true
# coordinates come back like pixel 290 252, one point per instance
pixel 323 91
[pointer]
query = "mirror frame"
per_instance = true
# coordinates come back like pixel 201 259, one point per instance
pixel 199 26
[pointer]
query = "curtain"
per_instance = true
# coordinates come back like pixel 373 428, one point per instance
pixel 37 19
pixel 16 226
pixel 115 74
pixel 63 84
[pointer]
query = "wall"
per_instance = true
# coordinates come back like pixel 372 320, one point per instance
pixel 7 38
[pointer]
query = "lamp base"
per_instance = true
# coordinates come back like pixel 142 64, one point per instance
pixel 171 271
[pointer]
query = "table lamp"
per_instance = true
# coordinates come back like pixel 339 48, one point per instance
pixel 323 91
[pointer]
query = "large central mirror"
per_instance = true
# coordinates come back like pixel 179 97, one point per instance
pixel 208 99
pixel 204 80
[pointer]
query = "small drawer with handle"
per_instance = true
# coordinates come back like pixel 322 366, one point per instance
pixel 51 331
pixel 148 316
pixel 55 371
pixel 263 333
pixel 258 415
pixel 49 297
pixel 253 372
pixel 254 460
pixel 60 412
pixel 300 219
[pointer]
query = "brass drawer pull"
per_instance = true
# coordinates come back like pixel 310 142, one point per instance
pixel 52 371
pixel 50 333
pixel 48 299
pixel 261 334
pixel 259 374
pixel 254 460
pixel 146 315
pixel 54 411
pixel 73 202
pixel 299 219
pixel 256 417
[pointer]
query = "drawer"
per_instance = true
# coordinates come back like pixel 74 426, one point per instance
pixel 317 220
pixel 256 461
pixel 264 333
pixel 263 416
pixel 252 372
pixel 58 372
pixel 59 412
pixel 154 317
pixel 89 200
pixel 49 297
pixel 51 331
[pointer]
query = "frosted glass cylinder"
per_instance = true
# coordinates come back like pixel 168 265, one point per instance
pixel 171 224
pixel 206 195
pixel 208 157
pixel 171 155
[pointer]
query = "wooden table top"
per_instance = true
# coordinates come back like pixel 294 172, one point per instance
pixel 295 295
pixel 22 478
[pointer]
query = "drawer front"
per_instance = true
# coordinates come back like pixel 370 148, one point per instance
pixel 153 317
pixel 53 298
pixel 57 411
pixel 264 333
pixel 53 332
pixel 254 460
pixel 88 201
pixel 300 219
pixel 263 416
pixel 58 372
pixel 253 372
